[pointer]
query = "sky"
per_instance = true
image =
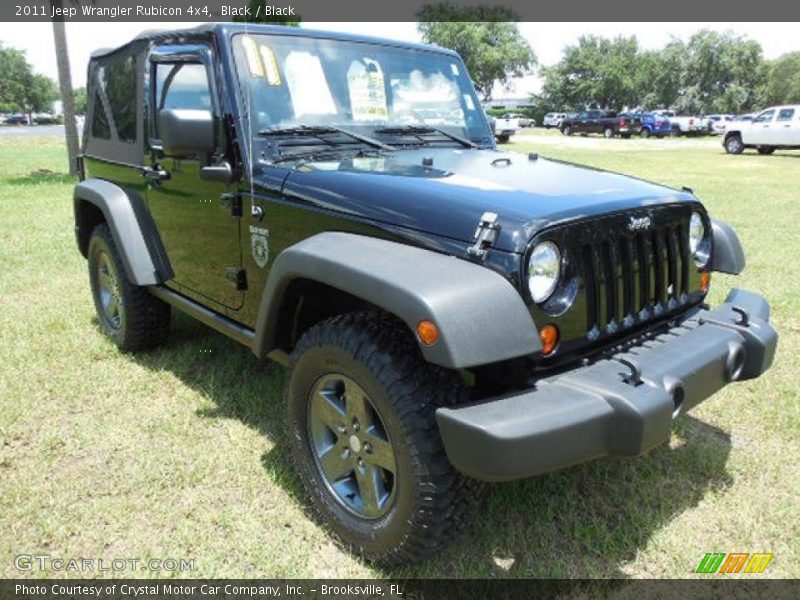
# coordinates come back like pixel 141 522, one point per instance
pixel 547 40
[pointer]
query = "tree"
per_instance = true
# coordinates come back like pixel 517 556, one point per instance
pixel 783 80
pixel 722 72
pixel 487 38
pixel 595 72
pixel 67 96
pixel 15 78
pixel 81 100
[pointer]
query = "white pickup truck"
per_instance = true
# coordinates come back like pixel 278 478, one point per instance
pixel 776 127
pixel 684 125
pixel 504 128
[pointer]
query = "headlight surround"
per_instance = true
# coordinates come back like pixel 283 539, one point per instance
pixel 699 243
pixel 544 271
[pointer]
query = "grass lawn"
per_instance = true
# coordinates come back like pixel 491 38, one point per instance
pixel 178 453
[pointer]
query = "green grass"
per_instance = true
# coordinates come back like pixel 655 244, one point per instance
pixel 179 452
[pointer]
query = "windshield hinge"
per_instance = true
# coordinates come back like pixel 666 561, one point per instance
pixel 238 277
pixel 485 235
pixel 231 202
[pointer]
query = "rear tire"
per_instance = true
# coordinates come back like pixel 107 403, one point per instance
pixel 608 133
pixel 133 318
pixel 357 386
pixel 675 132
pixel 644 134
pixel 733 144
pixel 503 139
pixel 567 130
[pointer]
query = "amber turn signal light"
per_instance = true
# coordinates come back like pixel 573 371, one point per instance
pixel 428 332
pixel 549 337
pixel 705 281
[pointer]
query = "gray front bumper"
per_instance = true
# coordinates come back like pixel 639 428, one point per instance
pixel 621 405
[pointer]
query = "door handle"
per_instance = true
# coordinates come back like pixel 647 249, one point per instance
pixel 156 173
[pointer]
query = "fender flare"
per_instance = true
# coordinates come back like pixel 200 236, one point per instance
pixel 728 254
pixel 132 228
pixel 481 317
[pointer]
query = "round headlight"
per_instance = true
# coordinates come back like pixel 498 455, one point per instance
pixel 698 244
pixel 544 269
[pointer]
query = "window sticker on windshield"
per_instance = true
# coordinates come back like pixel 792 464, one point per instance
pixel 270 65
pixel 253 60
pixel 308 85
pixel 454 69
pixel 468 101
pixel 367 91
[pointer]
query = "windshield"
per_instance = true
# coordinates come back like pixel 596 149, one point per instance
pixel 369 89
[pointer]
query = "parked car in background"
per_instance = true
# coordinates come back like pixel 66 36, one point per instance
pixel 652 125
pixel 18 119
pixel 503 129
pixel 745 117
pixel 776 127
pixel 553 120
pixel 522 120
pixel 607 123
pixel 683 125
pixel 718 123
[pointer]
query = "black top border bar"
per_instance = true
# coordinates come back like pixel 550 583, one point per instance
pixel 105 11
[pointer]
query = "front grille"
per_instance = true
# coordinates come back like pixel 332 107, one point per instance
pixel 633 277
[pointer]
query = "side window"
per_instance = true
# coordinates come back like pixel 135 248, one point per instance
pixel 120 87
pixel 785 114
pixel 99 126
pixel 183 85
pixel 765 117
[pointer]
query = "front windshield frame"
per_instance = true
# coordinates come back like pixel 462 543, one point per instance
pixel 336 53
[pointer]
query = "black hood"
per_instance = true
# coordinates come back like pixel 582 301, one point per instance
pixel 445 191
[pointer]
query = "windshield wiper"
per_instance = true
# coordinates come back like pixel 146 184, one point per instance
pixel 421 130
pixel 318 131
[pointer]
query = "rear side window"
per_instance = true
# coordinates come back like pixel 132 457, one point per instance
pixel 786 114
pixel 120 87
pixel 100 127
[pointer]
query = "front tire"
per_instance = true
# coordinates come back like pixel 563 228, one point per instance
pixel 766 149
pixel 733 144
pixel 361 407
pixel 566 130
pixel 608 133
pixel 133 318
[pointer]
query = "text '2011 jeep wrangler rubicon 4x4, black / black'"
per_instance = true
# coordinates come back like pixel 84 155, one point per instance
pixel 447 313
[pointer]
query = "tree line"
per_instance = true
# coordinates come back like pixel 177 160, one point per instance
pixel 711 72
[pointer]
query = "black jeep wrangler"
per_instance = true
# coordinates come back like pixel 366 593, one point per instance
pixel 446 313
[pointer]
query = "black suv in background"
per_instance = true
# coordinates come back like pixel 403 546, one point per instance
pixel 447 313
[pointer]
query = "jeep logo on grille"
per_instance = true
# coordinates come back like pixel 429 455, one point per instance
pixel 639 224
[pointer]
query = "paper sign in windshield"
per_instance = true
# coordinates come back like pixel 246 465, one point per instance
pixel 367 91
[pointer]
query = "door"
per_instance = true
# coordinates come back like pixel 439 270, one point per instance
pixel 760 130
pixel 786 128
pixel 195 217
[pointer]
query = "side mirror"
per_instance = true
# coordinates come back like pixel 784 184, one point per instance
pixel 186 132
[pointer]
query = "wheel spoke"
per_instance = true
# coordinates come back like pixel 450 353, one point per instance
pixel 112 310
pixel 335 465
pixel 380 453
pixel 369 486
pixel 326 408
pixel 356 404
pixel 104 279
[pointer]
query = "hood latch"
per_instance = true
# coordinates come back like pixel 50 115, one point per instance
pixel 485 235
